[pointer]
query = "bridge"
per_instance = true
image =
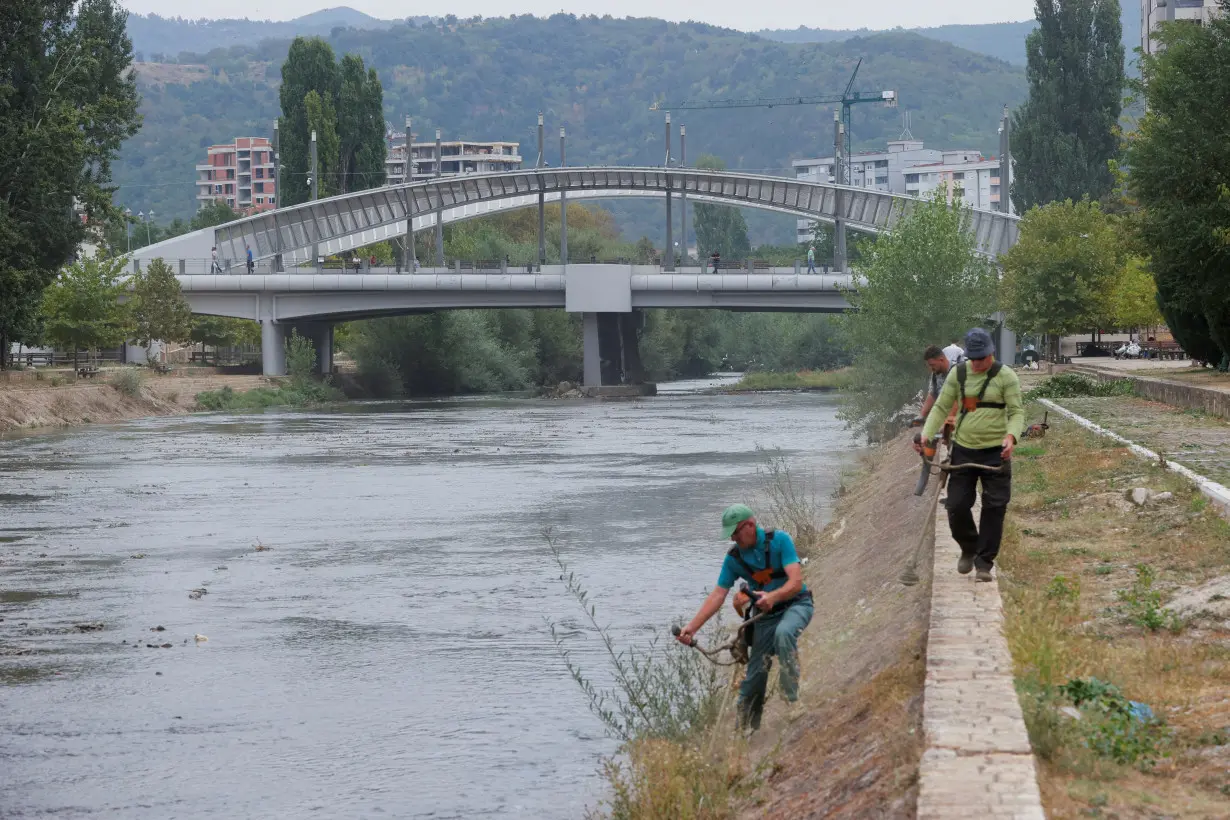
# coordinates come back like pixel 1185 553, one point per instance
pixel 605 296
pixel 297 293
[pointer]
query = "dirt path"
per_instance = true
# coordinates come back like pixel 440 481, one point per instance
pixel 31 406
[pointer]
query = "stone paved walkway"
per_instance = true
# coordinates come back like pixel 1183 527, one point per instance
pixel 978 762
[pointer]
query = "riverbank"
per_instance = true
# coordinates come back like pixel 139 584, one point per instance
pixel 853 746
pixel 1111 602
pixel 802 380
pixel 30 405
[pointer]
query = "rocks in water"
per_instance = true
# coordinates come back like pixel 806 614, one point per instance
pixel 94 627
pixel 158 646
pixel 159 628
pixel 199 638
pixel 197 593
pixel 259 547
pixel 137 555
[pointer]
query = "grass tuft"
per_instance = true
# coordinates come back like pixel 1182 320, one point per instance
pixel 800 380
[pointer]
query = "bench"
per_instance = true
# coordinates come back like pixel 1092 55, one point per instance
pixel 87 371
pixel 1165 350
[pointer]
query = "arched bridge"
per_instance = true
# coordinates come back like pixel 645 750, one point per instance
pixel 342 223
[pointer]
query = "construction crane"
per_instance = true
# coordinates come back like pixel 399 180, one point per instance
pixel 849 97
pixel 846 99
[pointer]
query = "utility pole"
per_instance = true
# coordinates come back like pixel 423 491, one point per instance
pixel 668 260
pixel 542 202
pixel 563 206
pixel 315 185
pixel 1005 163
pixel 683 193
pixel 277 197
pixel 439 207
pixel 839 222
pixel 408 256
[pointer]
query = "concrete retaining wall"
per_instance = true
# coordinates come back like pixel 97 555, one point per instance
pixel 1211 401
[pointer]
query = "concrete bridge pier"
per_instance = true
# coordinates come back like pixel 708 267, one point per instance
pixel 611 353
pixel 273 348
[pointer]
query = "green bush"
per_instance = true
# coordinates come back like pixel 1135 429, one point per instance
pixel 127 381
pixel 1071 385
pixel 300 357
pixel 1114 727
pixel 299 393
pixel 1142 604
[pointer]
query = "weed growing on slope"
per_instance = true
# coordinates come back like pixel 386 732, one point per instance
pixel 1142 604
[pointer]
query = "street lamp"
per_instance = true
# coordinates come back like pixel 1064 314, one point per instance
pixel 128 227
pixel 151 219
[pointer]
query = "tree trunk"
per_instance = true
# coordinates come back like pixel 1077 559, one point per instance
pixel 4 351
pixel 75 374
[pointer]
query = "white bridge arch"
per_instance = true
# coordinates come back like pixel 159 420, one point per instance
pixel 342 223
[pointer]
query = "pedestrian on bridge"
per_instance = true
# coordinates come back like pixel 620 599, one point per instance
pixel 990 419
pixel 251 261
pixel 811 259
pixel 768 562
pixel 715 258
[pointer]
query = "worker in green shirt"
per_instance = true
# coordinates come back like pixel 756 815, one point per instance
pixel 989 422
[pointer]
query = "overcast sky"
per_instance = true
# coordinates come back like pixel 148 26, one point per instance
pixel 739 14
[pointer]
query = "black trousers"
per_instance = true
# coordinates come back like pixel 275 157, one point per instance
pixel 981 542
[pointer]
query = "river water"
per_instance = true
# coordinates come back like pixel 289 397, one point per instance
pixel 377 589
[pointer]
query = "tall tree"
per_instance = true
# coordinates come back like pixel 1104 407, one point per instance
pixel 159 310
pixel 360 124
pixel 1180 159
pixel 82 308
pixel 68 100
pixel 309 66
pixel 925 283
pixel 719 228
pixel 1061 276
pixel 1065 134
pixel 344 104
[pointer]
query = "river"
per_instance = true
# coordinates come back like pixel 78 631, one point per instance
pixel 377 589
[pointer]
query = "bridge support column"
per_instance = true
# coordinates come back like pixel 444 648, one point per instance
pixel 592 359
pixel 273 348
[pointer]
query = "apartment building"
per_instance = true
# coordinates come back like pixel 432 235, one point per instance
pixel 240 173
pixel 456 157
pixel 909 167
pixel 1155 12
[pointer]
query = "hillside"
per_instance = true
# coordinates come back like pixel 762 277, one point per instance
pixel 597 77
pixel 1004 41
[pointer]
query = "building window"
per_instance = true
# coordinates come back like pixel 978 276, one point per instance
pixel 911 179
pixel 959 175
pixel 881 180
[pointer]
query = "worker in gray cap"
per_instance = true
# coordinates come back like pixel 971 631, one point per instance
pixel 989 423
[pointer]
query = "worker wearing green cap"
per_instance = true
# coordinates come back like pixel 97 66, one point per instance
pixel 767 560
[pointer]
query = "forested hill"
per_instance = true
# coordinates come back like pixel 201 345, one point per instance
pixel 596 77
pixel 1003 40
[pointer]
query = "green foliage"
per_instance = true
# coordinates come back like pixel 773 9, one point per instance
pixel 82 307
pixel 669 693
pixel 1185 218
pixel 300 393
pixel 719 228
pixel 1142 604
pixel 1071 385
pixel 343 104
pixel 1065 133
pixel 300 356
pixel 1060 277
pixel 159 310
pixel 1112 726
pixel 1133 298
pixel 221 331
pixel 800 380
pixel 925 283
pixel 67 103
pixel 127 381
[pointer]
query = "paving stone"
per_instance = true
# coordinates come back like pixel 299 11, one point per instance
pixel 978 762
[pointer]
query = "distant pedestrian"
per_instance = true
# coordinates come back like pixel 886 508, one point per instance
pixel 213 264
pixel 355 261
pixel 715 258
pixel 251 262
pixel 371 263
pixel 811 259
pixel 955 353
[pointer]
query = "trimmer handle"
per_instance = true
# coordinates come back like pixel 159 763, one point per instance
pixel 676 632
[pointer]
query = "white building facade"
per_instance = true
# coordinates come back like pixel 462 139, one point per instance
pixel 1155 12
pixel 908 167
pixel 456 157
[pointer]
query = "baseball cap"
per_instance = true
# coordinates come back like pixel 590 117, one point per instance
pixel 733 516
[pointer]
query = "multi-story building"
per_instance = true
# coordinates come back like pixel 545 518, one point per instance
pixel 1155 12
pixel 456 157
pixel 907 167
pixel 241 174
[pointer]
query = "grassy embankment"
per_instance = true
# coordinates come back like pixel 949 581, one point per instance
pixel 799 380
pixel 855 747
pixel 1085 576
pixel 296 392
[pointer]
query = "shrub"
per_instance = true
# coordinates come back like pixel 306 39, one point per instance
pixel 1114 727
pixel 1142 604
pixel 300 357
pixel 127 381
pixel 792 502
pixel 1071 385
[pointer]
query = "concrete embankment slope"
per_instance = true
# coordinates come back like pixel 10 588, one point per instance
pixel 856 751
pixel 870 673
pixel 31 405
